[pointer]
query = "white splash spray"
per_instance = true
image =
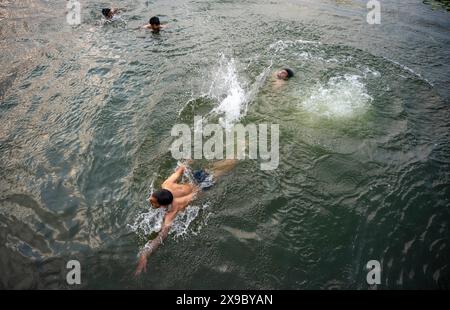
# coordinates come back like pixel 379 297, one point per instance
pixel 342 97
pixel 231 92
pixel 150 222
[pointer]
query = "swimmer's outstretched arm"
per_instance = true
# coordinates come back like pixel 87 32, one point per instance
pixel 150 247
pixel 153 245
pixel 176 175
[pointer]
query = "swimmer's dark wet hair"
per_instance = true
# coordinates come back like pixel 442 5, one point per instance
pixel 154 21
pixel 289 72
pixel 163 196
pixel 105 12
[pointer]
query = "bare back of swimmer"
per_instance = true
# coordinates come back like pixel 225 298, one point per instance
pixel 175 197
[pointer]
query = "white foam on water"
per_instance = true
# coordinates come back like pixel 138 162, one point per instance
pixel 283 44
pixel 181 225
pixel 310 57
pixel 228 91
pixel 368 72
pixel 232 93
pixel 342 97
pixel 114 19
pixel 150 222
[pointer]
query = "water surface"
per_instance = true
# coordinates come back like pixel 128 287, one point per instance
pixel 86 114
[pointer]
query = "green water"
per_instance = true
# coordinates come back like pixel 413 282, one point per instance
pixel 86 115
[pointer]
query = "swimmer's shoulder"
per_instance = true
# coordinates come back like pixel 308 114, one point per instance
pixel 167 185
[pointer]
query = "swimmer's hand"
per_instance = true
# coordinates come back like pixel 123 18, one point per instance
pixel 181 168
pixel 142 265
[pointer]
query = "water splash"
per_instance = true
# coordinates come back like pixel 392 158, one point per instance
pixel 182 224
pixel 232 93
pixel 151 221
pixel 148 222
pixel 228 91
pixel 116 19
pixel 342 97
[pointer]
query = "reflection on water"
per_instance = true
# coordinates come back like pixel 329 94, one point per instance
pixel 86 114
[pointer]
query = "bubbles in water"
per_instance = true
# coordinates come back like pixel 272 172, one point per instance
pixel 343 96
pixel 151 221
pixel 184 220
pixel 116 19
pixel 148 222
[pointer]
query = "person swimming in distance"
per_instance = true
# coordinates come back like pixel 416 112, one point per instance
pixel 281 76
pixel 109 13
pixel 284 74
pixel 154 25
pixel 175 197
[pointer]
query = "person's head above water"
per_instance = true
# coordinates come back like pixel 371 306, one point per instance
pixel 285 74
pixel 108 13
pixel 154 21
pixel 161 198
pixel 155 24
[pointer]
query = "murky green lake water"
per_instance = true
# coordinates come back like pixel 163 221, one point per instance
pixel 85 120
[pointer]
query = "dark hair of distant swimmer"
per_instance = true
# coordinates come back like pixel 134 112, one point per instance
pixel 161 198
pixel 109 13
pixel 106 12
pixel 154 24
pixel 154 21
pixel 289 72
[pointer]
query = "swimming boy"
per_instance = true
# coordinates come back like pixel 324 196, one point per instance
pixel 281 76
pixel 175 197
pixel 154 24
pixel 109 13
pixel 284 74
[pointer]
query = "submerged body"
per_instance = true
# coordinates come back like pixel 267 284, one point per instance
pixel 280 77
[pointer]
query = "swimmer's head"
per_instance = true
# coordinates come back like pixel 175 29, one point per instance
pixel 161 198
pixel 285 74
pixel 107 13
pixel 155 24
